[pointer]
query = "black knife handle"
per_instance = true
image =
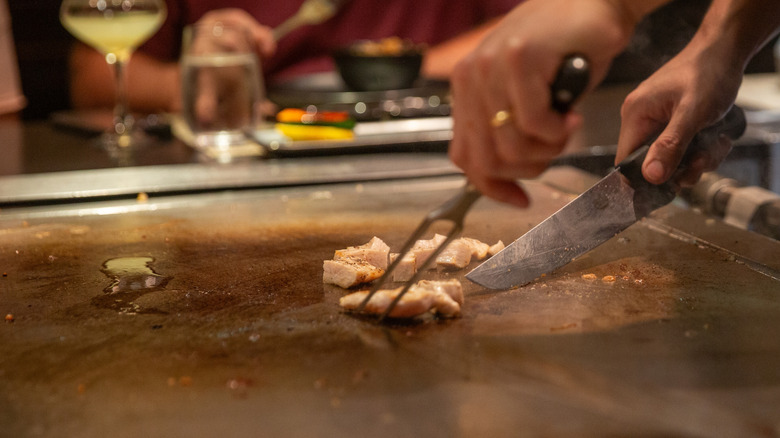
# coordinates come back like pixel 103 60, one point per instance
pixel 570 81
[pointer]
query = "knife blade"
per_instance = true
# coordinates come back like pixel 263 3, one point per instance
pixel 613 204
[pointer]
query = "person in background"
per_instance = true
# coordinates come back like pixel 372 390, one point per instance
pixel 450 28
pixel 11 98
pixel 511 71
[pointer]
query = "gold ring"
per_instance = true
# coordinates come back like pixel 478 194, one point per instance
pixel 500 119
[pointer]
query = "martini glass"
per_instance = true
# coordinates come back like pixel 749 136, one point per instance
pixel 115 28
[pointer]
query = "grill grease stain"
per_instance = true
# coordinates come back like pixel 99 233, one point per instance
pixel 132 277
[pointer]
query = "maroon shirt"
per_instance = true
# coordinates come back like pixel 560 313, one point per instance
pixel 307 49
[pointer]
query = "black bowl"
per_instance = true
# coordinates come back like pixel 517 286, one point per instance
pixel 378 72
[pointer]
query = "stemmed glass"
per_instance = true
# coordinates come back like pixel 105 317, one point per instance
pixel 115 28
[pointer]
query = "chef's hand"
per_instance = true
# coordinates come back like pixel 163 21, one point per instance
pixel 512 71
pixel 689 93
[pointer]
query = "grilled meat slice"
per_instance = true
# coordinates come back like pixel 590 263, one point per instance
pixel 495 248
pixel 406 267
pixel 479 250
pixel 375 252
pixel 349 272
pixel 443 298
pixel 457 255
pixel 423 249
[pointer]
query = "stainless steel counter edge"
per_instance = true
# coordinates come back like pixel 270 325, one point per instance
pixel 78 186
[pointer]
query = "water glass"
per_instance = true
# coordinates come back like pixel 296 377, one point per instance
pixel 222 87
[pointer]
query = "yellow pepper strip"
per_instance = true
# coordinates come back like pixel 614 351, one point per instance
pixel 313 132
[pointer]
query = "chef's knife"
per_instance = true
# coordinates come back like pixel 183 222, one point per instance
pixel 610 206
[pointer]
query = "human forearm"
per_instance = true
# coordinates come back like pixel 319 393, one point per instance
pixel 152 86
pixel 696 88
pixel 632 11
pixel 737 29
pixel 441 59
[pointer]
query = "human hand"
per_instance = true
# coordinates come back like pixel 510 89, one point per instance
pixel 511 72
pixel 260 35
pixel 688 94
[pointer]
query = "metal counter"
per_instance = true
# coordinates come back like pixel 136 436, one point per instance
pixel 228 330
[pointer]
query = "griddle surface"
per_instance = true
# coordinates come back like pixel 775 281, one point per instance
pixel 230 331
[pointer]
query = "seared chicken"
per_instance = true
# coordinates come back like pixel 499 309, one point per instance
pixel 406 267
pixel 443 298
pixel 375 252
pixel 422 249
pixel 479 250
pixel 457 255
pixel 495 248
pixel 363 264
pixel 460 252
pixel 349 272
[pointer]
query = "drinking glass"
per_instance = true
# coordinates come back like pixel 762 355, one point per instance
pixel 221 86
pixel 115 28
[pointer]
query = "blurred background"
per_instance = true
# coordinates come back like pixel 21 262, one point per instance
pixel 42 47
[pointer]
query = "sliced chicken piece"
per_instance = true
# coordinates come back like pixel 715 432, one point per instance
pixel 375 252
pixel 457 255
pixel 413 303
pixel 406 267
pixel 451 288
pixel 423 249
pixel 441 297
pixel 495 248
pixel 448 296
pixel 445 306
pixel 349 272
pixel 479 249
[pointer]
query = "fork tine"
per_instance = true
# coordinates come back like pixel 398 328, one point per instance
pixel 416 235
pixel 451 235
pixel 453 210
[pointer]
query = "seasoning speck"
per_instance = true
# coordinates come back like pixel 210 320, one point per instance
pixel 142 197
pixel 608 278
pixel 589 276
pixel 9 317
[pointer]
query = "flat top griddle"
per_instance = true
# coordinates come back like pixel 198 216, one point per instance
pixel 229 327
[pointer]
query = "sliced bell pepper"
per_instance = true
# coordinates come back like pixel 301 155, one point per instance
pixel 298 132
pixel 327 118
